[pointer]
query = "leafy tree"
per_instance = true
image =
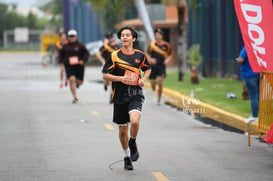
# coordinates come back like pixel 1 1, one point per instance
pixel 111 11
pixel 32 21
pixel 10 19
pixel 54 7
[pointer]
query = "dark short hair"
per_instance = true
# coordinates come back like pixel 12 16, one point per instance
pixel 108 35
pixel 158 30
pixel 62 33
pixel 133 31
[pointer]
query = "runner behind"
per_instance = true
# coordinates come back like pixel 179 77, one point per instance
pixel 59 46
pixel 159 54
pixel 105 52
pixel 74 55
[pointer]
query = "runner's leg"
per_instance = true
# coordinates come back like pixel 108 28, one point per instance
pixel 134 119
pixel 61 74
pixel 123 136
pixel 160 87
pixel 72 81
pixel 153 84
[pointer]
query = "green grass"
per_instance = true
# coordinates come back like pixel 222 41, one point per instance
pixel 20 49
pixel 212 91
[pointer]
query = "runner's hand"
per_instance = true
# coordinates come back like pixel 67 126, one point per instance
pixel 140 82
pixel 126 79
pixel 81 62
pixel 153 61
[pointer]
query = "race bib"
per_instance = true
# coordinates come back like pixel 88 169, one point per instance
pixel 133 77
pixel 73 60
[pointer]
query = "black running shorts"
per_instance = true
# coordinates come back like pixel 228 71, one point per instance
pixel 77 71
pixel 158 71
pixel 122 111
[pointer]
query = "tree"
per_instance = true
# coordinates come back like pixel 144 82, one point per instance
pixel 9 19
pixel 54 7
pixel 195 60
pixel 111 11
pixel 32 20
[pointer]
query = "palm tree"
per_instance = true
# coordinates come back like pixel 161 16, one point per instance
pixel 195 60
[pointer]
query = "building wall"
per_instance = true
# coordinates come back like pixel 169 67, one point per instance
pixel 213 25
pixel 81 16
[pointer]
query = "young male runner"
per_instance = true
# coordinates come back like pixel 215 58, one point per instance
pixel 123 69
pixel 105 52
pixel 74 54
pixel 159 54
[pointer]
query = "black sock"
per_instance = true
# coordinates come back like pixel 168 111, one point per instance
pixel 132 140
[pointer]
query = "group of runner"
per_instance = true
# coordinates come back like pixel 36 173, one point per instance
pixel 122 66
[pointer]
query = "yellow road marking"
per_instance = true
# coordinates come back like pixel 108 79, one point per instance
pixel 109 126
pixel 159 176
pixel 95 113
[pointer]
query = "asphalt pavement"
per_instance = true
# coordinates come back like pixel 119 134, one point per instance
pixel 44 137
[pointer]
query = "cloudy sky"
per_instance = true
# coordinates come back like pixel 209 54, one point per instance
pixel 25 2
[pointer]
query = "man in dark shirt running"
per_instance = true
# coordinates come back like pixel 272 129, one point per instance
pixel 105 52
pixel 159 54
pixel 74 55
pixel 123 69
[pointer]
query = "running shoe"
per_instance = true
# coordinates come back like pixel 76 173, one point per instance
pixel 128 164
pixel 75 101
pixel 251 119
pixel 65 84
pixel 159 102
pixel 134 151
pixel 105 87
pixel 61 85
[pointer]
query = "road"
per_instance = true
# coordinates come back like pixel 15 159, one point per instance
pixel 43 136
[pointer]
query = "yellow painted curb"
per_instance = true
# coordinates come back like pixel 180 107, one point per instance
pixel 195 106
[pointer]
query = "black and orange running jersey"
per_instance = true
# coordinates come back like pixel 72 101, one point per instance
pixel 159 51
pixel 106 49
pixel 120 63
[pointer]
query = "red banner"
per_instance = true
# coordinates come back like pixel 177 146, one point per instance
pixel 256 22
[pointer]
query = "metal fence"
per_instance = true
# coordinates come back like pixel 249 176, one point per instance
pixel 33 40
pixel 266 101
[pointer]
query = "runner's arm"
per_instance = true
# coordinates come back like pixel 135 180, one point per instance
pixel 114 78
pixel 85 54
pixel 168 59
pixel 101 59
pixel 151 60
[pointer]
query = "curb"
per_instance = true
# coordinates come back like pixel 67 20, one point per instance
pixel 195 106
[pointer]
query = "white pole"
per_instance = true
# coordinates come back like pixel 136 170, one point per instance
pixel 144 17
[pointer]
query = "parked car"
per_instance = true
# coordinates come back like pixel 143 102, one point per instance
pixel 93 47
